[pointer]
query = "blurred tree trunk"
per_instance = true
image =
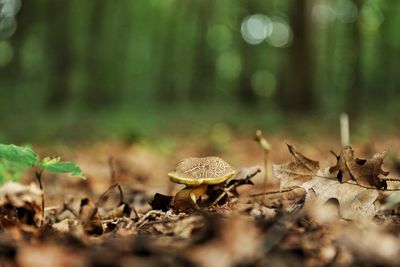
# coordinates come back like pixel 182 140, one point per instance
pixel 60 52
pixel 27 16
pixel 386 80
pixel 246 92
pixel 354 96
pixel 248 57
pixel 167 69
pixel 95 95
pixel 204 70
pixel 296 87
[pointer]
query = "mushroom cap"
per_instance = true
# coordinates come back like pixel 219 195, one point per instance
pixel 197 171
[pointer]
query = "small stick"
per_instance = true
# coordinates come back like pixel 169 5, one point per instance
pixel 266 148
pixel 143 220
pixel 273 192
pixel 113 173
pixel 39 178
pixel 105 193
pixel 232 186
pixel 344 130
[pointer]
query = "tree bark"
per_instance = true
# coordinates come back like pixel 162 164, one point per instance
pixel 60 53
pixel 296 87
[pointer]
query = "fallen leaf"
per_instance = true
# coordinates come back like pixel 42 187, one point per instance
pixel 70 226
pixel 161 202
pixel 90 218
pixel 231 245
pixel 297 171
pixel 20 204
pixel 355 202
pixel 285 200
pixel 48 256
pixel 364 172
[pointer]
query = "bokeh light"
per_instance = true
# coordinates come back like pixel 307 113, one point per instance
pixel 219 37
pixel 323 15
pixel 229 65
pixel 346 11
pixel 263 83
pixel 281 34
pixel 371 17
pixel 8 24
pixel 256 28
pixel 9 8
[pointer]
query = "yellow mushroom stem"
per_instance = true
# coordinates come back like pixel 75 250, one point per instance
pixel 187 197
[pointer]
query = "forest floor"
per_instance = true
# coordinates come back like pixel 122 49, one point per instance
pixel 122 215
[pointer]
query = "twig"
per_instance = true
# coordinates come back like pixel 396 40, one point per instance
pixel 121 197
pixel 39 178
pixel 273 192
pixel 389 179
pixel 367 187
pixel 113 173
pixel 233 185
pixel 102 196
pixel 143 219
pixel 113 178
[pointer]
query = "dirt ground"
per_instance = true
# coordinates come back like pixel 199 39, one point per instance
pixel 124 215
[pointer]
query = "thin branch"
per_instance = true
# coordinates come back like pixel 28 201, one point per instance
pixel 272 192
pixel 233 185
pixel 38 175
pixel 143 220
pixel 113 173
pixel 102 196
pixel 367 187
pixel 121 197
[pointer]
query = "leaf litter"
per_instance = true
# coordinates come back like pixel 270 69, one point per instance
pixel 236 224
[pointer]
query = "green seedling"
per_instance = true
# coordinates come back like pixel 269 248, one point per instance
pixel 16 159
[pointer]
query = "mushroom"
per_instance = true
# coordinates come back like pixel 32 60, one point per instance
pixel 197 174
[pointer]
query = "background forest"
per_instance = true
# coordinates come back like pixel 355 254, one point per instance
pixel 105 68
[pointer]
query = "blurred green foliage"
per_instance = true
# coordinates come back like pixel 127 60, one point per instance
pixel 73 69
pixel 15 160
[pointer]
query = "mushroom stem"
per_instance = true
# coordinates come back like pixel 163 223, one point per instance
pixel 187 197
pixel 266 148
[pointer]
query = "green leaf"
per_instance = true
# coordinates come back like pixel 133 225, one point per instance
pixel 18 154
pixel 11 171
pixel 55 166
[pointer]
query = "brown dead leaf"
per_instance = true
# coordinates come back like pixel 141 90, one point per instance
pixel 355 202
pixel 373 245
pixel 364 172
pixel 90 218
pixel 161 202
pixel 20 204
pixel 71 226
pixel 48 256
pixel 297 171
pixel 233 247
pixel 286 199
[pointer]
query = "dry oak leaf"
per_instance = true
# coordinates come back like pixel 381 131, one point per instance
pixel 355 202
pixel 364 172
pixel 297 171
